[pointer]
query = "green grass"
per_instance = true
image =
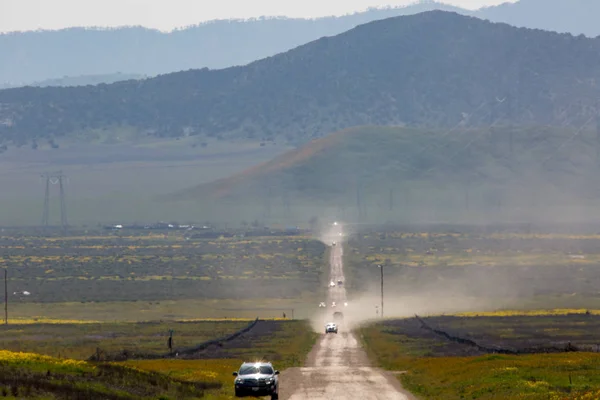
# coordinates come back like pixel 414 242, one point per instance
pixel 80 341
pixel 540 376
pixel 27 375
pixel 284 343
pixel 133 311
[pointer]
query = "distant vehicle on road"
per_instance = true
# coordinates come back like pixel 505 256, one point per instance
pixel 331 328
pixel 333 243
pixel 340 282
pixel 257 379
pixel 333 304
pixel 322 305
pixel 332 284
pixel 338 316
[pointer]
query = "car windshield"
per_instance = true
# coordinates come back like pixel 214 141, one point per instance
pixel 253 369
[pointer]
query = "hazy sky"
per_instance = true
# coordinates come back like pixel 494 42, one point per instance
pixel 19 15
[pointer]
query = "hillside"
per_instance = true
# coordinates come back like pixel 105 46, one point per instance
pixel 577 17
pixel 35 56
pixel 491 173
pixel 82 80
pixel 41 55
pixel 430 69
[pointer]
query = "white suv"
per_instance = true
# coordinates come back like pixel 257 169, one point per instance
pixel 331 327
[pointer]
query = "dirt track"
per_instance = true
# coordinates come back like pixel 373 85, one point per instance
pixel 337 367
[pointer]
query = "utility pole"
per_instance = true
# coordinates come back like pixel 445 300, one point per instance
pixel 5 296
pixel 381 269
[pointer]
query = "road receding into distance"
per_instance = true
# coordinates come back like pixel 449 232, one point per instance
pixel 338 367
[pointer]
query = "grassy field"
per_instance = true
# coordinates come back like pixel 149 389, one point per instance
pixel 205 374
pixel 149 277
pixel 32 376
pixel 286 344
pixel 80 341
pixel 433 368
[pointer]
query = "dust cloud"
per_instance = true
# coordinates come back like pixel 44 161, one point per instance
pixel 410 291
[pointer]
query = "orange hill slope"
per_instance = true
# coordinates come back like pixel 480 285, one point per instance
pixel 225 187
pixel 495 165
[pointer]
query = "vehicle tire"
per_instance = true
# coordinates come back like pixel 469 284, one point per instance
pixel 275 395
pixel 238 394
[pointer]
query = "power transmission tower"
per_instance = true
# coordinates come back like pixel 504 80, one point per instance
pixel 60 179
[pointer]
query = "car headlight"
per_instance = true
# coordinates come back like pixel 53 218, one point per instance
pixel 239 381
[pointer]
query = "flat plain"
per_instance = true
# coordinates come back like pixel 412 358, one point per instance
pixel 122 292
pixel 110 276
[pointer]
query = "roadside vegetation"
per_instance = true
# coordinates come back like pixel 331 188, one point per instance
pixel 32 376
pixel 435 368
pixel 81 341
pixel 285 344
pixel 205 374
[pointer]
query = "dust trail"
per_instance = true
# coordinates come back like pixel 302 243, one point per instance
pixel 338 367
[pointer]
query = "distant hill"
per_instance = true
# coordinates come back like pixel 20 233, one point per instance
pixel 492 173
pixel 577 17
pixel 41 55
pixel 431 69
pixel 82 80
pixel 35 56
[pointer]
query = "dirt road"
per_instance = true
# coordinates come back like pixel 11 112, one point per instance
pixel 338 368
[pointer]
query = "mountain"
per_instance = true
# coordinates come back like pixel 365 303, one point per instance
pixel 42 55
pixel 577 17
pixel 82 80
pixel 489 174
pixel 430 69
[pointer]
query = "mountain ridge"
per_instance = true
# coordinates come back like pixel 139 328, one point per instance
pixel 430 69
pixel 84 51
